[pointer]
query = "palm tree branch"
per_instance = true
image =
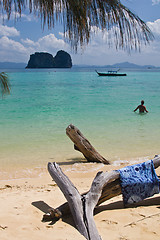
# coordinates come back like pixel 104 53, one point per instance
pixel 4 82
pixel 78 16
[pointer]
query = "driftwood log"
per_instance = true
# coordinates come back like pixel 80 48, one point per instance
pixel 105 186
pixel 83 145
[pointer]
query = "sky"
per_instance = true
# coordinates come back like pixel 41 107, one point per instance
pixel 19 39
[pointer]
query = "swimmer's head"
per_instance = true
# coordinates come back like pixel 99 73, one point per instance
pixel 142 102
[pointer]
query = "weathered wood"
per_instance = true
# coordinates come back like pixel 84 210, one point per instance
pixel 82 207
pixel 92 198
pixel 72 195
pixel 83 145
pixel 110 190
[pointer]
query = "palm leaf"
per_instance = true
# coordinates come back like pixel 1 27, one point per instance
pixel 5 85
pixel 78 17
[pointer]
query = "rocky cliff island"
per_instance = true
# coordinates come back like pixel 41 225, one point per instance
pixel 46 60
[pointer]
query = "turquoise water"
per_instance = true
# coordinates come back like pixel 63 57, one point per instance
pixel 43 103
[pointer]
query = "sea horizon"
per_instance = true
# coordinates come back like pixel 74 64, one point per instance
pixel 11 66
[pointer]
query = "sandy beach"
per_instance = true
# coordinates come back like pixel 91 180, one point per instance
pixel 92 64
pixel 33 132
pixel 24 201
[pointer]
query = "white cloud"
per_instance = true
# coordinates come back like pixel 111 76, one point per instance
pixel 20 51
pixel 16 17
pixel 8 31
pixel 29 42
pixel 51 42
pixel 154 2
pixel 12 51
pixel 26 17
pixel 97 51
pixel 47 43
pixel 154 26
pixel 99 47
pixel 11 45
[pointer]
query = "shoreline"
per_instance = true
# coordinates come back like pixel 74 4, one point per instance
pixel 76 162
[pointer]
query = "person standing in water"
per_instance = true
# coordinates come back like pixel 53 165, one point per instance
pixel 141 108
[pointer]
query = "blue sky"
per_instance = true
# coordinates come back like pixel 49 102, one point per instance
pixel 21 38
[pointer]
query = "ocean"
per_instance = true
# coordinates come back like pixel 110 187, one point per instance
pixel 43 103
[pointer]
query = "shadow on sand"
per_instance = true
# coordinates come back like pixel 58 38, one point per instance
pixel 44 207
pixel 71 161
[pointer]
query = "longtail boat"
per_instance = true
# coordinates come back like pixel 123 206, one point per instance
pixel 111 73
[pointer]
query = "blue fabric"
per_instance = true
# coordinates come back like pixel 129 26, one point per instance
pixel 138 182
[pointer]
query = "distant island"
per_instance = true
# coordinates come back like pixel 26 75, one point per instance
pixel 46 60
pixel 126 65
pixel 120 65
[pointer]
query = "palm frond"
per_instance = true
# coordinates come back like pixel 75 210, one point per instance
pixel 78 17
pixel 4 82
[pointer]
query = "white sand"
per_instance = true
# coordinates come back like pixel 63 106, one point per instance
pixel 20 219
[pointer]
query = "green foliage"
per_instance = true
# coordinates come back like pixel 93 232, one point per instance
pixel 5 85
pixel 78 17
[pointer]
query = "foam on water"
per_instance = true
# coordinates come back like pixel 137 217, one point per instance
pixel 84 168
pixel 130 161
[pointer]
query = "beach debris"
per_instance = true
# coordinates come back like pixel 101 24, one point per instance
pixel 52 185
pixel 49 226
pixel 3 227
pixel 52 214
pixel 109 221
pixel 83 145
pixel 8 186
pixel 105 185
pixel 142 219
pixel 5 187
pixel 82 206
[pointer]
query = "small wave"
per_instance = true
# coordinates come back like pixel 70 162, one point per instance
pixel 84 167
pixel 131 161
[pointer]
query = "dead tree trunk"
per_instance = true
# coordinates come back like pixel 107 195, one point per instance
pixel 82 207
pixel 110 190
pixel 83 145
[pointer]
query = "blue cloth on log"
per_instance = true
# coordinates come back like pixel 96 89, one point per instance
pixel 138 182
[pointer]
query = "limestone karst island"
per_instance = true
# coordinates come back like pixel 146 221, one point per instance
pixel 46 60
